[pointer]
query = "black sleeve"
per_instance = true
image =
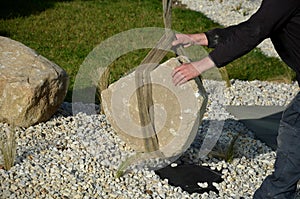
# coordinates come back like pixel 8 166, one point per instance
pixel 233 42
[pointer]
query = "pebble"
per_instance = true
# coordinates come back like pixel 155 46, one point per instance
pixel 202 184
pixel 174 165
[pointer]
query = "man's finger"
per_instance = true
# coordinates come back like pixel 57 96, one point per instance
pixel 187 45
pixel 180 81
pixel 182 42
pixel 176 42
pixel 176 70
pixel 179 35
pixel 178 78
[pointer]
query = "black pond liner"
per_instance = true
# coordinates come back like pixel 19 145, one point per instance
pixel 187 176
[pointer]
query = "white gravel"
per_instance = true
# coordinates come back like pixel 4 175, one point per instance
pixel 77 156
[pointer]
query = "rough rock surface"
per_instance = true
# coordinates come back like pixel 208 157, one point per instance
pixel 31 87
pixel 178 111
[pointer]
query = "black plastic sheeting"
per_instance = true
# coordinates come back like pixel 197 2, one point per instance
pixel 263 121
pixel 187 176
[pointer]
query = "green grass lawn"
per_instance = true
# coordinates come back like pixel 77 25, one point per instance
pixel 66 31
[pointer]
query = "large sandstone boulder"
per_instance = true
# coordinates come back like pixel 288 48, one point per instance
pixel 31 87
pixel 178 110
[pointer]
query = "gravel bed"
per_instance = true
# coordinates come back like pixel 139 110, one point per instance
pixel 77 156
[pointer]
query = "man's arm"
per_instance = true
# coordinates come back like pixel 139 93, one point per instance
pixel 190 39
pixel 233 42
pixel 187 71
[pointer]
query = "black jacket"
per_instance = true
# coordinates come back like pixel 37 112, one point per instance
pixel 275 19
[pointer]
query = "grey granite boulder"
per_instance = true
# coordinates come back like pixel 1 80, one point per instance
pixel 31 87
pixel 178 110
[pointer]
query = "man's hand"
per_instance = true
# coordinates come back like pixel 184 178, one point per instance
pixel 183 73
pixel 187 71
pixel 190 39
